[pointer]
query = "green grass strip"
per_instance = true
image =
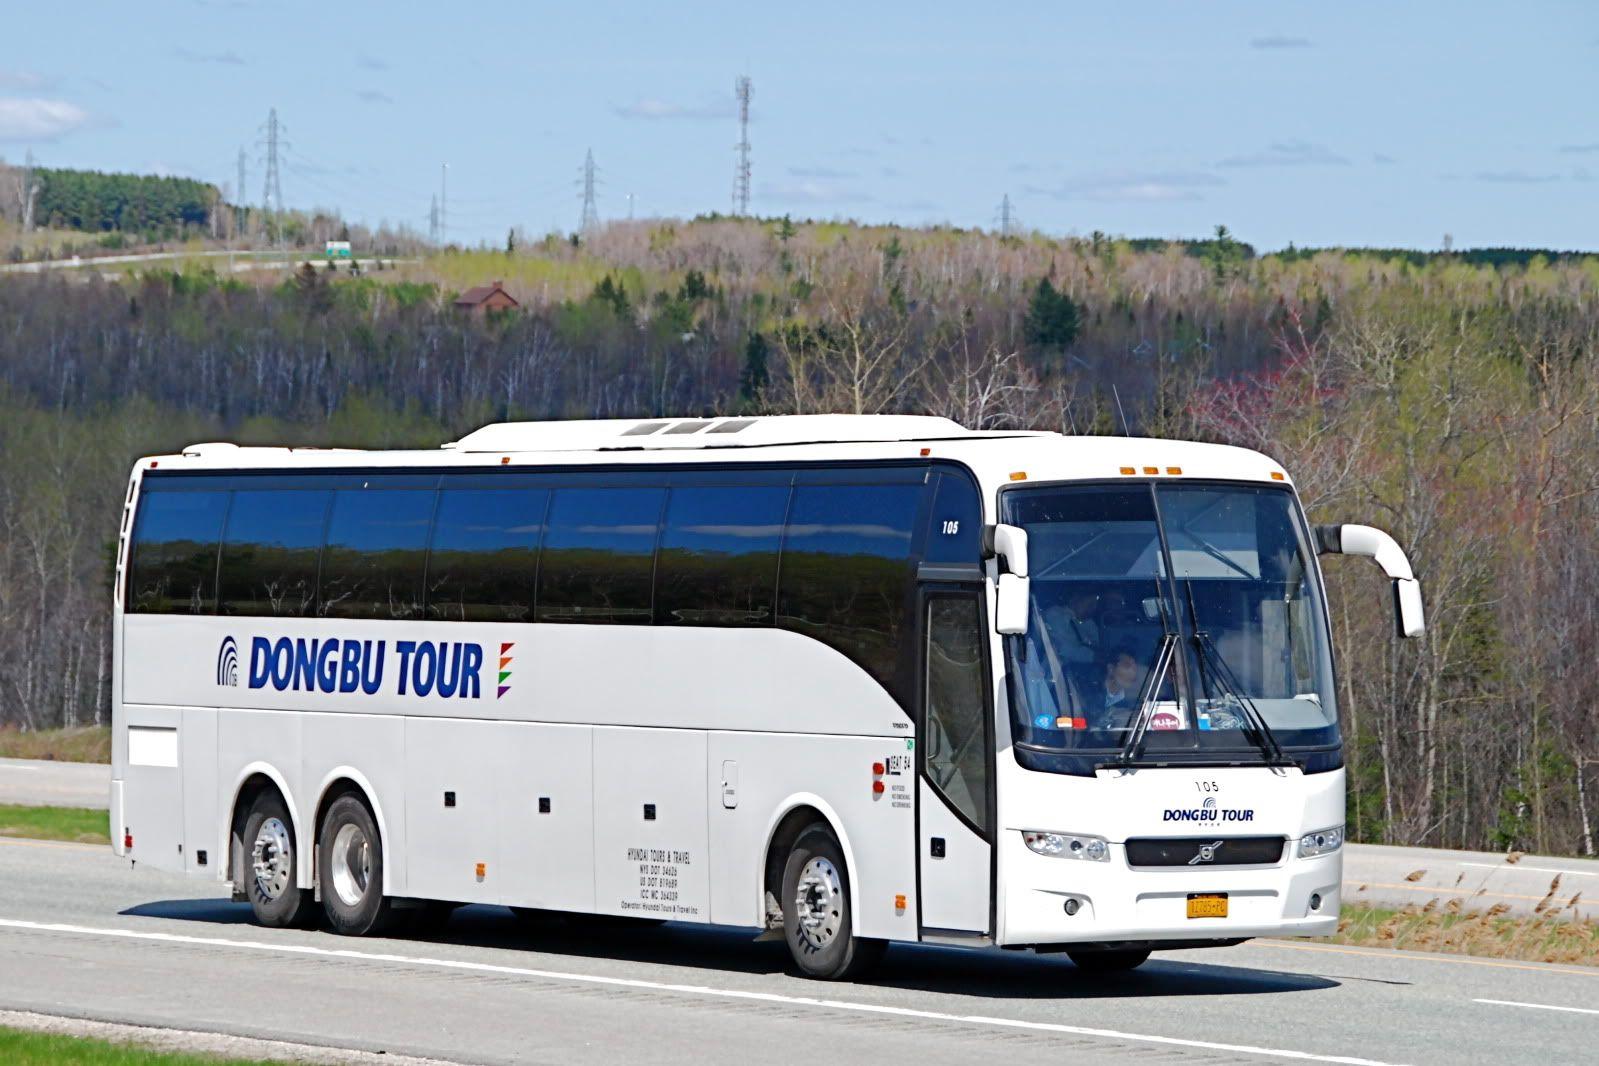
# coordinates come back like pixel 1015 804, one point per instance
pixel 18 1047
pixel 79 825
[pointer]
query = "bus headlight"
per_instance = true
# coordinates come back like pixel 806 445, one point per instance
pixel 1321 842
pixel 1067 845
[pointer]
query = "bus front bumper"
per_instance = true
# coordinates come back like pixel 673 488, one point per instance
pixel 1049 900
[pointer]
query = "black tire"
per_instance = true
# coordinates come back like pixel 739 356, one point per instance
pixel 1118 961
pixel 816 881
pixel 269 857
pixel 350 869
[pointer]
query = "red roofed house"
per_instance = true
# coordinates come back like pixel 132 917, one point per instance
pixel 492 297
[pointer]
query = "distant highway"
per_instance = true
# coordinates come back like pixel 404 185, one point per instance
pixel 42 783
pixel 82 934
pixel 249 260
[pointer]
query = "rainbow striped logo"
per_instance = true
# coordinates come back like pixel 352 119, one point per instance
pixel 505 669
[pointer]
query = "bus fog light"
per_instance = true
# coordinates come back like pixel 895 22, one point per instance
pixel 1315 901
pixel 1067 845
pixel 1073 906
pixel 1321 842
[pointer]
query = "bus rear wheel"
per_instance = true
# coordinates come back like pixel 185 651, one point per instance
pixel 1119 960
pixel 350 869
pixel 818 914
pixel 270 860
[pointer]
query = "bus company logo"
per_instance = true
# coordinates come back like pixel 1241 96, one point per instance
pixel 447 669
pixel 228 662
pixel 505 669
pixel 1208 811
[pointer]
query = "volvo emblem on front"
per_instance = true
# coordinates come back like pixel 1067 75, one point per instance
pixel 1207 853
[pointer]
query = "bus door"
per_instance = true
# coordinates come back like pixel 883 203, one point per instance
pixel 955 760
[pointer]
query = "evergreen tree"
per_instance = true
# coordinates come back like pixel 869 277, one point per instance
pixel 754 377
pixel 1053 319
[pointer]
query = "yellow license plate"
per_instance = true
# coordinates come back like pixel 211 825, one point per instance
pixel 1207 905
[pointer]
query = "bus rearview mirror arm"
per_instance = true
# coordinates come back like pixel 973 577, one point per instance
pixel 1013 598
pixel 1374 544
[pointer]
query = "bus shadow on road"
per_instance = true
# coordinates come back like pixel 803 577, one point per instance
pixel 913 967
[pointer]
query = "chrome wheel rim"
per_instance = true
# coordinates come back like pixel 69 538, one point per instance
pixel 819 902
pixel 351 859
pixel 272 858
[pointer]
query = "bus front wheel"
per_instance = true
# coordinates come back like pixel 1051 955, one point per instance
pixel 818 914
pixel 350 869
pixel 269 866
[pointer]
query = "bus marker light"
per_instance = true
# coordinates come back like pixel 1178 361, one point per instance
pixel 1129 470
pixel 1018 475
pixel 1277 475
pixel 899 903
pixel 127 842
pixel 1151 469
pixel 878 788
pixel 504 459
pixel 154 464
pixel 878 769
pixel 927 451
pixel 482 870
pixel 1174 470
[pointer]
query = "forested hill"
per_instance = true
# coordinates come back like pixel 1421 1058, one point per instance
pixel 1451 401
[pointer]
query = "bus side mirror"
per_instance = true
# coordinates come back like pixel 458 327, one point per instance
pixel 1375 544
pixel 1013 599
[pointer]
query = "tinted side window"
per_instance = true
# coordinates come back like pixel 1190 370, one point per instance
pixel 485 554
pixel 270 551
pixel 955 531
pixel 846 570
pixel 599 555
pixel 372 565
pixel 718 561
pixel 955 743
pixel 173 563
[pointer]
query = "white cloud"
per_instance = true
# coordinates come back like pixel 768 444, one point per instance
pixel 814 191
pixel 1134 187
pixel 26 80
pixel 1279 41
pixel 1515 177
pixel 653 108
pixel 33 119
pixel 1294 153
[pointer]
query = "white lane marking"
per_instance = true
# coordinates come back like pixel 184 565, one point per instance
pixel 1530 869
pixel 14 766
pixel 1535 1006
pixel 692 990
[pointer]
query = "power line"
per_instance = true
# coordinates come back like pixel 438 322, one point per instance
pixel 741 176
pixel 1009 225
pixel 272 187
pixel 591 212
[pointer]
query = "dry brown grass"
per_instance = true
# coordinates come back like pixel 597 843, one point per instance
pixel 1552 934
pixel 84 744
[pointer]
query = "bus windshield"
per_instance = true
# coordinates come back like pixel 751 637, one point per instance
pixel 1190 608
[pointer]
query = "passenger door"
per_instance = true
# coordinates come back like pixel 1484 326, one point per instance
pixel 955 766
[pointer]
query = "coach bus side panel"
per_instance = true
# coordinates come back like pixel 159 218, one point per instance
pixel 544 780
pixel 153 786
pixel 770 774
pixel 204 836
pixel 451 815
pixel 650 838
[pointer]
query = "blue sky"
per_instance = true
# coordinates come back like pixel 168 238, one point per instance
pixel 1352 123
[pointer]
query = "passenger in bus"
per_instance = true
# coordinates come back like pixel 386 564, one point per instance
pixel 1075 630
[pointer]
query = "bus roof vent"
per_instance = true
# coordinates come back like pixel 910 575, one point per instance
pixel 603 434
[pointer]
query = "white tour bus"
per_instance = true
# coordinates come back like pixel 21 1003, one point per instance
pixel 850 679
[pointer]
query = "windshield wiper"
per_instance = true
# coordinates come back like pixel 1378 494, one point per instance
pixel 1150 695
pixel 1211 656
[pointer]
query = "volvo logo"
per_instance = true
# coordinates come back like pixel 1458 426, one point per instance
pixel 1207 853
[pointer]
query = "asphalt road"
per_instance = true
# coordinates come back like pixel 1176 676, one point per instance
pixel 1386 876
pixel 42 783
pixel 82 933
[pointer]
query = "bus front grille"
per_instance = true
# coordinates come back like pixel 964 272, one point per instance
pixel 1205 851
